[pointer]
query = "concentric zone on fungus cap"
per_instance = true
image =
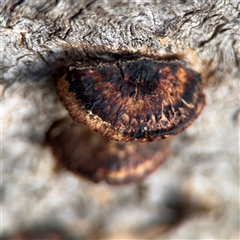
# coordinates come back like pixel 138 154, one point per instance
pixel 97 158
pixel 127 100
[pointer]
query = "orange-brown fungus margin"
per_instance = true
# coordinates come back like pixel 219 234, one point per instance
pixel 97 158
pixel 129 100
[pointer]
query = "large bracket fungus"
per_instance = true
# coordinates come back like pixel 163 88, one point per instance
pixel 127 100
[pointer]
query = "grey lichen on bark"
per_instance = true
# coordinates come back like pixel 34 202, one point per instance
pixel 41 38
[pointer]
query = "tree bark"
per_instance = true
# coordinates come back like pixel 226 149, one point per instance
pixel 41 38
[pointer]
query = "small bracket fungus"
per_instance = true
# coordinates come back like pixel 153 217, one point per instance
pixel 142 99
pixel 97 158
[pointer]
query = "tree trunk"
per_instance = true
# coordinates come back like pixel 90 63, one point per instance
pixel 41 38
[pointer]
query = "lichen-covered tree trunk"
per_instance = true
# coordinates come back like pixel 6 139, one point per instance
pixel 195 194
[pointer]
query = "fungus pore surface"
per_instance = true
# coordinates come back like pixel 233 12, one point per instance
pixel 129 100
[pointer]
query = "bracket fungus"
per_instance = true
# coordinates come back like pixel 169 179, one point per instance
pixel 139 100
pixel 97 158
pixel 132 100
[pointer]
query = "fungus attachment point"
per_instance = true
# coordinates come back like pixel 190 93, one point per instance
pixel 97 158
pixel 140 99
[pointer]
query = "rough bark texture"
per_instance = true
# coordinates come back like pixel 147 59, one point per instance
pixel 195 195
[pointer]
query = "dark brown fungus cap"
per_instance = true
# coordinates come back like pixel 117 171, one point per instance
pixel 140 99
pixel 97 158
